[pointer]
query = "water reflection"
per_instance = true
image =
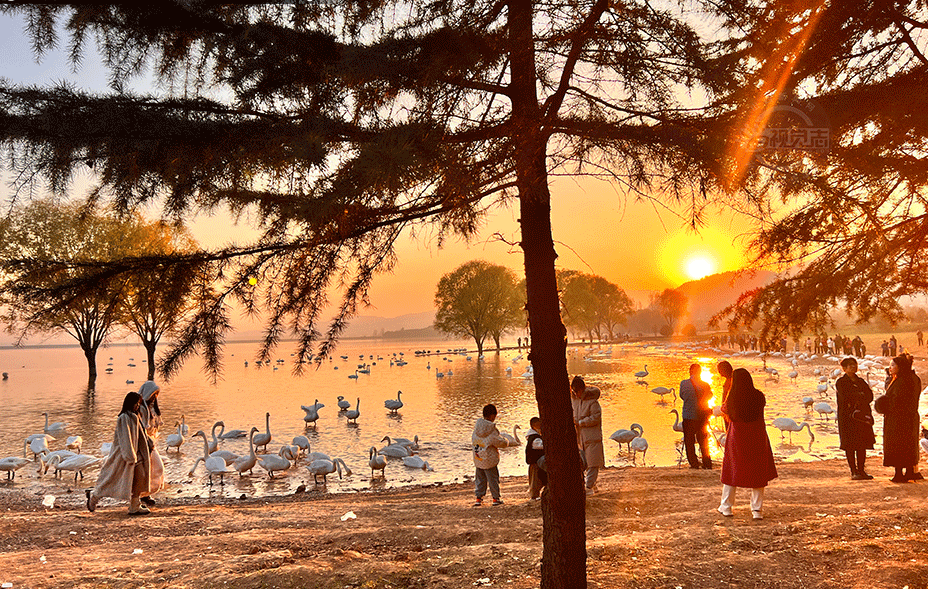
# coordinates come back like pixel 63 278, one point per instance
pixel 440 410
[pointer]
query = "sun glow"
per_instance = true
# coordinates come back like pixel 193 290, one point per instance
pixel 699 265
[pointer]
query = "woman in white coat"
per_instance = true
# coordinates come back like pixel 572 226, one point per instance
pixel 588 421
pixel 125 472
pixel 150 415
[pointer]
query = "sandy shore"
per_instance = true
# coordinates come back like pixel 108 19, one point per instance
pixel 647 527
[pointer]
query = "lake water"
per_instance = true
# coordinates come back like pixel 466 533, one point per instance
pixel 440 410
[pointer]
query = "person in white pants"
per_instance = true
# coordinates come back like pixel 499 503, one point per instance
pixel 748 461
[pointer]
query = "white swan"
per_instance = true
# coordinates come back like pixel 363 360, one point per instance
pixel 184 429
pixel 45 460
pixel 58 425
pixel 665 391
pixel 394 405
pixel 214 464
pixel 625 436
pixel 38 446
pixel 214 443
pixel 394 450
pixel 232 434
pixel 412 444
pixel 248 461
pixel 354 413
pixel 175 440
pixel 76 464
pixel 74 443
pixel 416 462
pixel 642 373
pixel 677 425
pixel 264 439
pixel 229 457
pixel 785 424
pixel 312 412
pixel 639 444
pixel 823 408
pixel 11 464
pixel 301 442
pixel 274 462
pixel 32 437
pixel 514 438
pixel 324 468
pixel 343 404
pixel 377 462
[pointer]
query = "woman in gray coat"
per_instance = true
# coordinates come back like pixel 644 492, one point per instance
pixel 588 420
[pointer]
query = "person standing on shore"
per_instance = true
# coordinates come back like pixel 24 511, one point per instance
pixel 125 472
pixel 748 460
pixel 695 395
pixel 899 407
pixel 724 369
pixel 150 416
pixel 588 421
pixel 487 441
pixel 855 421
pixel 534 455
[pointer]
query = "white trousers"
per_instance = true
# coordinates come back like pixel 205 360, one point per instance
pixel 728 498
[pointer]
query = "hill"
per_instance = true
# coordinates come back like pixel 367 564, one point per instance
pixel 711 294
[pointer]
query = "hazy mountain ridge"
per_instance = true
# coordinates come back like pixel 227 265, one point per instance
pixel 707 296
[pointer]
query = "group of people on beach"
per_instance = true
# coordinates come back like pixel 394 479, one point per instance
pixel 748 459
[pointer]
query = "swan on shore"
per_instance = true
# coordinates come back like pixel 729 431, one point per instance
pixel 639 444
pixel 785 424
pixel 11 464
pixel 76 464
pixel 324 468
pixel 74 443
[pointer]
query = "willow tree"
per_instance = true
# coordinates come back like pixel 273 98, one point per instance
pixel 341 124
pixel 479 300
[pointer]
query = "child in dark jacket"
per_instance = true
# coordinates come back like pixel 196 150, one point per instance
pixel 534 457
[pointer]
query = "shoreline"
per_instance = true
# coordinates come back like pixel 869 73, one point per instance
pixel 646 527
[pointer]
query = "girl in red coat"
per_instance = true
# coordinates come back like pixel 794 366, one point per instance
pixel 748 458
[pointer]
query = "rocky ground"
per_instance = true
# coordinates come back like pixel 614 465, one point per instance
pixel 647 527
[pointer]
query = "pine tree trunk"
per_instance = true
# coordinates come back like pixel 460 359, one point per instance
pixel 563 561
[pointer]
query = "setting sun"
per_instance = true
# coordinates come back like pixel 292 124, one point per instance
pixel 699 266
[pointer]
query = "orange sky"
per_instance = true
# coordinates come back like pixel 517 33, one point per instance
pixel 639 246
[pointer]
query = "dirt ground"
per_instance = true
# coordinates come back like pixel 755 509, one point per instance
pixel 647 527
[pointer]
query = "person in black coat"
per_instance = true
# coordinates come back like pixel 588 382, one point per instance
pixel 855 421
pixel 534 457
pixel 899 407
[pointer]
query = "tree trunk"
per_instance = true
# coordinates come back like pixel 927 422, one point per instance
pixel 90 352
pixel 563 561
pixel 150 346
pixel 496 340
